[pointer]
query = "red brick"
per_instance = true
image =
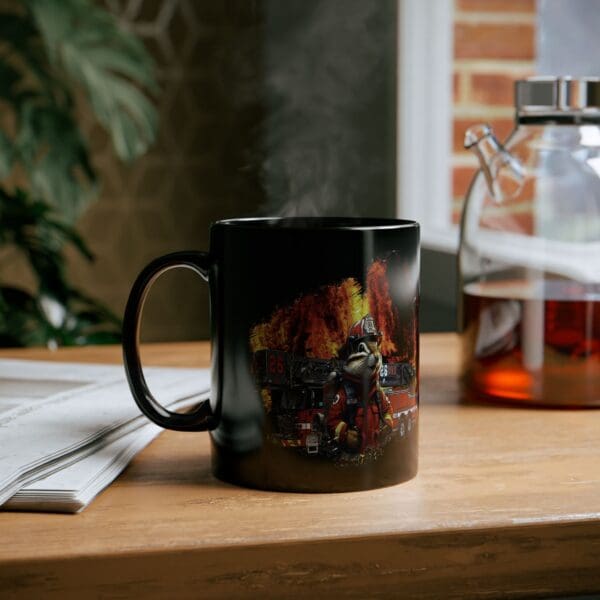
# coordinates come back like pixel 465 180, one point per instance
pixel 492 89
pixel 494 40
pixel 456 87
pixel 521 6
pixel 501 127
pixel 461 180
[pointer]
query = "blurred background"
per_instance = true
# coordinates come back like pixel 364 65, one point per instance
pixel 255 107
pixel 266 107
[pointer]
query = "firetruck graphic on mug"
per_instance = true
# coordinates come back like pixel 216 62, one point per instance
pixel 336 371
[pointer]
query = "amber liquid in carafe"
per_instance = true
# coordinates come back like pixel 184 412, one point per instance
pixel 538 348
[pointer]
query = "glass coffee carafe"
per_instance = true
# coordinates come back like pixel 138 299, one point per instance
pixel 530 251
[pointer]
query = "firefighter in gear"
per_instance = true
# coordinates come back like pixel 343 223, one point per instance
pixel 360 414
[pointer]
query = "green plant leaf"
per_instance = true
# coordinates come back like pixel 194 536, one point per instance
pixel 32 227
pixel 21 321
pixel 70 235
pixel 87 44
pixel 9 76
pixel 56 158
pixel 29 225
pixel 6 155
pixel 25 56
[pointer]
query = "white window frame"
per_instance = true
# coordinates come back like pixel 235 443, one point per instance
pixel 424 122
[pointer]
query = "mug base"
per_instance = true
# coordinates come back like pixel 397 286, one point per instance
pixel 278 469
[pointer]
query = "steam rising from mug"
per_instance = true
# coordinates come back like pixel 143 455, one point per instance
pixel 329 130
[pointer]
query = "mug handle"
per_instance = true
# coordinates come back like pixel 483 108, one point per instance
pixel 200 419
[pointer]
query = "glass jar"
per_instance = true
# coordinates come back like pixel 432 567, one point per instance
pixel 529 257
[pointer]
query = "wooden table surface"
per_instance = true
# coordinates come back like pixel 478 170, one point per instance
pixel 506 504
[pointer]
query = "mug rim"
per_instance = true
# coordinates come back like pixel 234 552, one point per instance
pixel 320 223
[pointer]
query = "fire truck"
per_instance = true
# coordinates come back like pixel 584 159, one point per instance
pixel 399 381
pixel 302 390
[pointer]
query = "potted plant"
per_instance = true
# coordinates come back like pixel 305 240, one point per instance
pixel 58 57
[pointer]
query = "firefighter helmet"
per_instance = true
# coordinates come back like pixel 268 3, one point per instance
pixel 363 329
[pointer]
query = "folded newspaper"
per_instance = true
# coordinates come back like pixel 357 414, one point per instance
pixel 68 429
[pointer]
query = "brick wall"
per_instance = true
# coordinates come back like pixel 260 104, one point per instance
pixel 494 44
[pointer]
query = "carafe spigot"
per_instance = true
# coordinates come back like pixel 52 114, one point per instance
pixel 504 173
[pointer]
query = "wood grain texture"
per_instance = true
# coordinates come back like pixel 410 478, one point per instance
pixel 506 504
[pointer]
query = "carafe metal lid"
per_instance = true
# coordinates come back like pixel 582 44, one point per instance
pixel 557 98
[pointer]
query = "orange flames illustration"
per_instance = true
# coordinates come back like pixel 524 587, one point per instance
pixel 317 324
pixel 380 306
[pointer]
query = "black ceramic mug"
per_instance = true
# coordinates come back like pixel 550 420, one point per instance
pixel 314 329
